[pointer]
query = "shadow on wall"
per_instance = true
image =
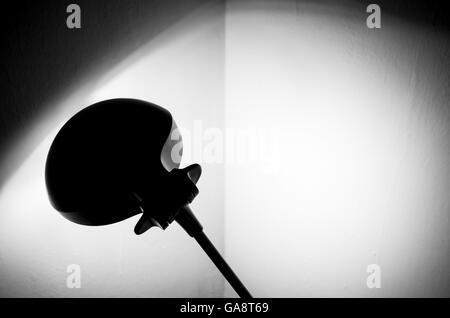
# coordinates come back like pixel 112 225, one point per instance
pixel 42 60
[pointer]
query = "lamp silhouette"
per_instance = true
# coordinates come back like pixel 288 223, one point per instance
pixel 116 159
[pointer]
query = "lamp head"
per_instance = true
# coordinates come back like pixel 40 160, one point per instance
pixel 118 158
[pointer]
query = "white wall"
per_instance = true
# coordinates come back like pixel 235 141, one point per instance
pixel 362 174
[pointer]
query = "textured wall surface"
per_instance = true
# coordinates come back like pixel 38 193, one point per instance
pixel 333 140
pixel 357 170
